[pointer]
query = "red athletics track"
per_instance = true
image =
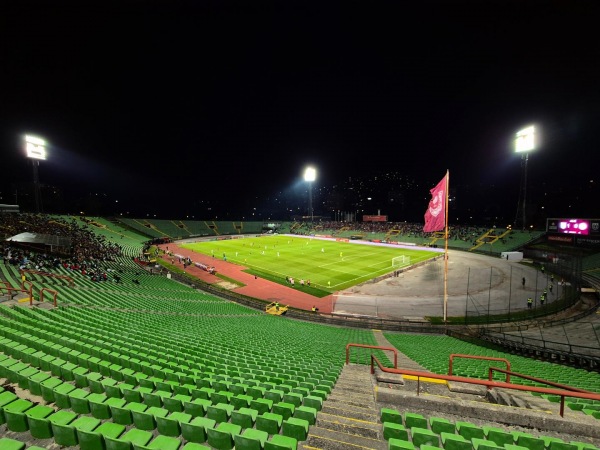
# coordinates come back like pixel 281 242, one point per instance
pixel 257 288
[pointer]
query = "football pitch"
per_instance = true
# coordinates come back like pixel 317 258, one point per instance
pixel 329 265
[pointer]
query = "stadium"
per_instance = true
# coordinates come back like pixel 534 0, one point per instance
pixel 122 333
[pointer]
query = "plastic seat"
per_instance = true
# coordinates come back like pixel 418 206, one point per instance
pixel 401 444
pixel 66 433
pixel 195 430
pixel 530 442
pixel 269 422
pixel 175 403
pixel 280 442
pixel 128 439
pixel 39 424
pixel 160 443
pixel 219 412
pixel 469 430
pixel 222 436
pixel 498 436
pixel 413 420
pixel 47 387
pixel 451 441
pixel 484 444
pixel 119 410
pixel 35 381
pixel 145 420
pixel 390 415
pixel 171 425
pixel 423 436
pixel 61 395
pixel 286 410
pixel 244 417
pixel 295 428
pixel 78 400
pixel 250 439
pixel 14 414
pixel 440 425
pixel 95 439
pixel 11 444
pixel 262 405
pixel 394 430
pixel 196 407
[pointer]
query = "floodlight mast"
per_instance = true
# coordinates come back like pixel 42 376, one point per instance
pixel 310 175
pixel 524 143
pixel 36 150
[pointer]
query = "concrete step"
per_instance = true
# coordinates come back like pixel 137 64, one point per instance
pixel 350 416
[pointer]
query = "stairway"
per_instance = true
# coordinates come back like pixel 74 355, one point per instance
pixel 350 415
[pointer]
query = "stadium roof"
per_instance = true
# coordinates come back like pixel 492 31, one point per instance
pixel 46 240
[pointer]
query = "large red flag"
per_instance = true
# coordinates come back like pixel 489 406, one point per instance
pixel 435 216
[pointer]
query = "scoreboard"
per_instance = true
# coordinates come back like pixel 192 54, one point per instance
pixel 574 231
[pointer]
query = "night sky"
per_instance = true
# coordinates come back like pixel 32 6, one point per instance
pixel 176 103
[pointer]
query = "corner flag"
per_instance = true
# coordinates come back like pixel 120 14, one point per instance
pixel 435 216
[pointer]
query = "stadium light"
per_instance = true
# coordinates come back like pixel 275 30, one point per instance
pixel 525 141
pixel 35 149
pixel 310 175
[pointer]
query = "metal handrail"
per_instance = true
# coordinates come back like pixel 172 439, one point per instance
pixel 497 384
pixel 378 347
pixel 488 358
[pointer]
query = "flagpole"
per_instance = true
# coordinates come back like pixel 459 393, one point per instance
pixel 446 250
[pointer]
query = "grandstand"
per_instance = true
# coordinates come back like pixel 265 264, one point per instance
pixel 134 357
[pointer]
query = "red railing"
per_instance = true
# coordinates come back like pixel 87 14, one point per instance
pixel 391 349
pixel 488 383
pixel 488 358
pixel 53 292
pixel 51 275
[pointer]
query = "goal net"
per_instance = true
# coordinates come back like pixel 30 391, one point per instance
pixel 400 261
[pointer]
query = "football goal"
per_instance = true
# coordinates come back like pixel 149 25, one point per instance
pixel 400 261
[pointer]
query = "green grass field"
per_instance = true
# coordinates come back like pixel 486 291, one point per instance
pixel 329 265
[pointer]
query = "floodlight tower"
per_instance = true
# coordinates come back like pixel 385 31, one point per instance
pixel 524 143
pixel 36 151
pixel 310 175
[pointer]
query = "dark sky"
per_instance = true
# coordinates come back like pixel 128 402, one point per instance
pixel 174 102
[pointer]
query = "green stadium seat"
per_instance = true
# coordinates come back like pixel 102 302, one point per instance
pixel 394 430
pixel 558 444
pixel 38 422
pixel 530 442
pixel 240 401
pixel 66 433
pixel 120 411
pixel 313 401
pixel 145 420
pixel 61 395
pixel 423 436
pixel 250 439
pixel 269 422
pixel 295 428
pixel 222 436
pixel 170 425
pixel 286 410
pixel 196 407
pixel 11 444
pixel 95 439
pixel 194 446
pixel 307 413
pixel 414 420
pixel 440 425
pixel 469 430
pixel 160 443
pixel 400 444
pixel 451 441
pixel 47 387
pixel 244 417
pixel 127 440
pixel 78 400
pixel 498 436
pixel 390 415
pixel 262 405
pixel 35 381
pixel 219 412
pixel 195 430
pixel 14 415
pixel 280 442
pixel 484 444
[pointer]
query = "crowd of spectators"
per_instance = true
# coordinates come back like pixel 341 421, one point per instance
pixel 86 254
pixel 415 230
